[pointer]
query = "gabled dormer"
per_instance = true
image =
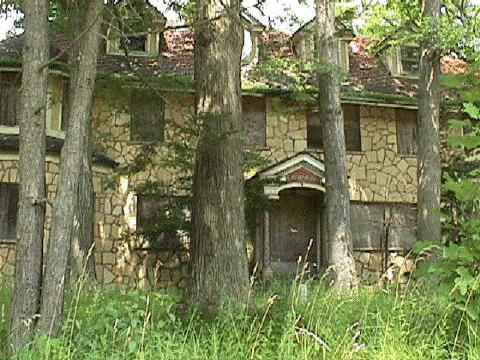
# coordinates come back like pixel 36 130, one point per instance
pixel 403 60
pixel 304 41
pixel 252 31
pixel 135 30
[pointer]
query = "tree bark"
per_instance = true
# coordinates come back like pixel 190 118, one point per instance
pixel 219 258
pixel 32 202
pixel 337 199
pixel 429 162
pixel 82 255
pixel 80 99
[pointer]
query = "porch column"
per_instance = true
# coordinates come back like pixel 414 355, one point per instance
pixel 266 243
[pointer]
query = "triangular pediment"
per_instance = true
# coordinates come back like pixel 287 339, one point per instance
pixel 301 166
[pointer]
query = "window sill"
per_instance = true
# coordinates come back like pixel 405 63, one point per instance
pixel 15 130
pixel 348 152
pixel 5 242
pixel 408 156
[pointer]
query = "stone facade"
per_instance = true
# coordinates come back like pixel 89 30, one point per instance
pixel 377 174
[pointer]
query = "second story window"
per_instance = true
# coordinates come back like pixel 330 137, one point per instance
pixel 254 121
pixel 409 60
pixel 147 117
pixel 406 123
pixel 9 98
pixel 351 115
pixel 134 43
pixel 8 211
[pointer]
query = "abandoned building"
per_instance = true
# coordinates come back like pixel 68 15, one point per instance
pixel 380 111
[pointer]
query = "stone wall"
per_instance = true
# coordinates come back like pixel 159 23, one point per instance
pixel 377 172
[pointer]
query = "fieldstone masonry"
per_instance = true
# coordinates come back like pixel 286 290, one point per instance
pixel 377 174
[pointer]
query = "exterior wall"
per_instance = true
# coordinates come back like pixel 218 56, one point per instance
pixel 9 173
pixel 377 174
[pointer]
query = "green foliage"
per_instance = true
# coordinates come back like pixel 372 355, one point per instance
pixel 282 320
pixel 458 265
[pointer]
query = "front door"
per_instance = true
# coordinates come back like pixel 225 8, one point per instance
pixel 294 222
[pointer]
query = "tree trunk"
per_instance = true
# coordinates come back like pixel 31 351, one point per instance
pixel 337 199
pixel 219 258
pixel 31 214
pixel 429 162
pixel 82 256
pixel 80 99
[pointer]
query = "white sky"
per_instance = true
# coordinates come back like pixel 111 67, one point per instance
pixel 274 9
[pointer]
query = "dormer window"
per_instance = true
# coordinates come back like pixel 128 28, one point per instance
pixel 135 43
pixel 404 60
pixel 410 59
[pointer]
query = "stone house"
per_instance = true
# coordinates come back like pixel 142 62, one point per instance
pixel 380 125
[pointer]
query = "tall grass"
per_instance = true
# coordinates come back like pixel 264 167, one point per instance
pixel 281 321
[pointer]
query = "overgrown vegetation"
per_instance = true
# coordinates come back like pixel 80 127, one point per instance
pixel 281 321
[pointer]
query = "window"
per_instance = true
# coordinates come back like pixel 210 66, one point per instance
pixel 406 122
pixel 9 98
pixel 147 117
pixel 134 43
pixel 351 115
pixel 8 211
pixel 163 220
pixel 409 59
pixel 344 54
pixel 64 120
pixel 254 121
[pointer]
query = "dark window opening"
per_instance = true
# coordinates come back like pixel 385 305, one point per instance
pixel 254 121
pixel 64 119
pixel 410 58
pixel 164 221
pixel 135 43
pixel 9 98
pixel 406 123
pixel 147 117
pixel 8 211
pixel 351 116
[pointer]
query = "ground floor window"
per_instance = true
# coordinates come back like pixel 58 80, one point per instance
pixel 164 220
pixel 8 211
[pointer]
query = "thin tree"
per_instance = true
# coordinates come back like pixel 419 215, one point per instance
pixel 219 262
pixel 337 199
pixel 429 161
pixel 31 214
pixel 83 61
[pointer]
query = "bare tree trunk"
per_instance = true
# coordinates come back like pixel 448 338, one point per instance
pixel 82 256
pixel 31 214
pixel 80 99
pixel 219 261
pixel 337 199
pixel 429 161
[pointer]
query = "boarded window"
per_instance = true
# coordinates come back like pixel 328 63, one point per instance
pixel 8 211
pixel 163 220
pixel 147 117
pixel 380 225
pixel 254 121
pixel 9 98
pixel 406 122
pixel 351 114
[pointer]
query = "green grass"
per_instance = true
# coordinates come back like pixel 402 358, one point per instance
pixel 280 322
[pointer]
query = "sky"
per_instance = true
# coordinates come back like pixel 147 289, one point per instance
pixel 273 9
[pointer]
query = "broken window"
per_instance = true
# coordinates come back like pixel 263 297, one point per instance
pixel 351 115
pixel 9 98
pixel 8 211
pixel 406 123
pixel 254 121
pixel 147 117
